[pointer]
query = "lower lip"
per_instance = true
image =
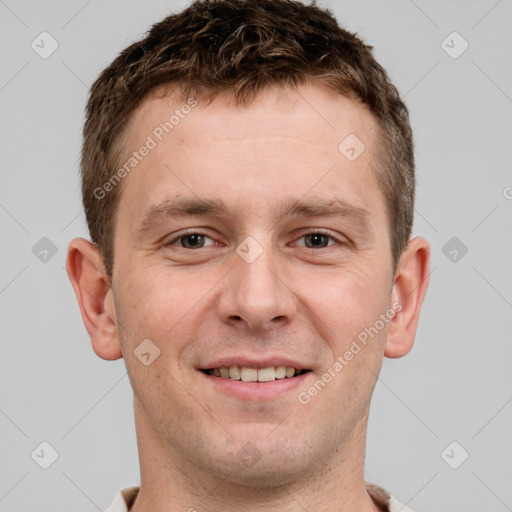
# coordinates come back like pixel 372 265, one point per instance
pixel 256 390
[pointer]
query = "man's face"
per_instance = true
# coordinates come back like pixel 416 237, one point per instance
pixel 266 282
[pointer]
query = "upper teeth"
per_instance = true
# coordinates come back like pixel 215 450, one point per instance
pixel 247 374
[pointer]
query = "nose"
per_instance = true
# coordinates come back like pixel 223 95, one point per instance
pixel 256 296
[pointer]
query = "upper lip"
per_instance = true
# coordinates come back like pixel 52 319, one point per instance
pixel 253 362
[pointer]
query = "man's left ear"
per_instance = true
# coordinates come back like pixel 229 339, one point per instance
pixel 409 288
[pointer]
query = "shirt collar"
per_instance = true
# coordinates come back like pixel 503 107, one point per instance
pixel 125 498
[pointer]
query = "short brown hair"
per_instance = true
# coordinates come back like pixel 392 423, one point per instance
pixel 245 47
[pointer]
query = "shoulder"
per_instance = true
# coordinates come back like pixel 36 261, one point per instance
pixel 123 500
pixel 384 500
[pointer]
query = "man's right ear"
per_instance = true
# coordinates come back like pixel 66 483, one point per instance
pixel 94 293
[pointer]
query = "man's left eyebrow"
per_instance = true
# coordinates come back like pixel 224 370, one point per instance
pixel 325 208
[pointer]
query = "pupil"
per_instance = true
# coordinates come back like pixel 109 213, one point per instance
pixel 190 241
pixel 316 239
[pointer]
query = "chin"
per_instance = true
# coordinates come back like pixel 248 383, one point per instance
pixel 267 461
pixel 266 473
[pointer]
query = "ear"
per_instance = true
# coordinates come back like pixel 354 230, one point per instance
pixel 94 293
pixel 409 288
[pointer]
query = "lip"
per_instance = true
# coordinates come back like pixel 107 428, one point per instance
pixel 255 391
pixel 253 362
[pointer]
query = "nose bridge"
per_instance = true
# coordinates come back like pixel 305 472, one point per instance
pixel 257 279
pixel 256 295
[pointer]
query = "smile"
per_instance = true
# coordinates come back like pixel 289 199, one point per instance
pixel 246 374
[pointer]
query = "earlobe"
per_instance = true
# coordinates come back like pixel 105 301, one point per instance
pixel 409 288
pixel 95 297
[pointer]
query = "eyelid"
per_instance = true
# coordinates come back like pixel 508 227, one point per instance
pixel 303 233
pixel 175 238
pixel 322 231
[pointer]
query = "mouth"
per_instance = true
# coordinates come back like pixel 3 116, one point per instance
pixel 261 375
pixel 256 384
pixel 255 377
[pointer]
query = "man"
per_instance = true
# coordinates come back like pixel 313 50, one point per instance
pixel 248 182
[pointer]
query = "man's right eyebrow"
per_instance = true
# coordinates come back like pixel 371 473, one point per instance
pixel 182 207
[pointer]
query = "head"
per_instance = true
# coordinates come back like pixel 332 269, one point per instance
pixel 248 183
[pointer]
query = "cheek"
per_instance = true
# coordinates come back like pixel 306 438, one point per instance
pixel 352 307
pixel 346 302
pixel 160 303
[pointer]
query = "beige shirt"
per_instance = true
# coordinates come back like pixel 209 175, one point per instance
pixel 125 498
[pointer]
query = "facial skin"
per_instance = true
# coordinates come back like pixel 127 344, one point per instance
pixel 296 302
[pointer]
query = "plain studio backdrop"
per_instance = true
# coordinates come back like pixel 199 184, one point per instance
pixel 440 425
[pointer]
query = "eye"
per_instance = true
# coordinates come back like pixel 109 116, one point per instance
pixel 191 240
pixel 317 240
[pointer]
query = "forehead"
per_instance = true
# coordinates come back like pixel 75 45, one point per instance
pixel 296 141
pixel 312 112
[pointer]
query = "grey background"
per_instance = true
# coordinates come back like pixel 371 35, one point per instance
pixel 455 385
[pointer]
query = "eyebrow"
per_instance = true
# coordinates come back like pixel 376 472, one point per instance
pixel 184 207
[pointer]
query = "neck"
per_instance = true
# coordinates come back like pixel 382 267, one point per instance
pixel 170 482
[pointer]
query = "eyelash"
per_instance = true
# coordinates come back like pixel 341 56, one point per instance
pixel 312 232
